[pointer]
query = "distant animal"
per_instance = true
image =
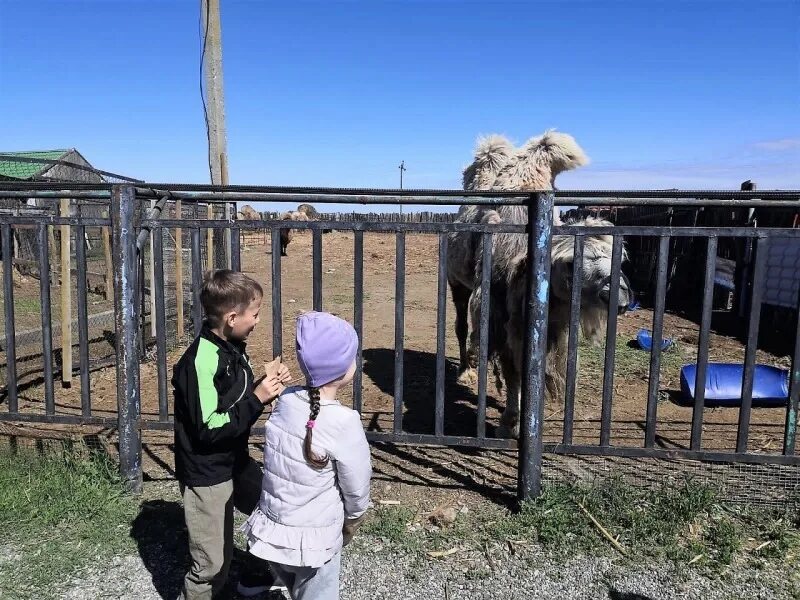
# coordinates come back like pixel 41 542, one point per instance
pixel 288 234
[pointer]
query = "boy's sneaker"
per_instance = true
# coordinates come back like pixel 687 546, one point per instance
pixel 253 584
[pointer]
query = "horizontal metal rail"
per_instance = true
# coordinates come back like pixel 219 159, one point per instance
pixel 366 196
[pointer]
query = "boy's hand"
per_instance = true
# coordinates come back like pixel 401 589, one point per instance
pixel 275 368
pixel 268 389
pixel 283 374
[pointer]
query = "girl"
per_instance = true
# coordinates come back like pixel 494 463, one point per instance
pixel 316 466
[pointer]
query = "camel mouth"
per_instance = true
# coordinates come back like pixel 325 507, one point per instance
pixel 625 295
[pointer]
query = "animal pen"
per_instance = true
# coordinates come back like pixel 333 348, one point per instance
pixel 156 299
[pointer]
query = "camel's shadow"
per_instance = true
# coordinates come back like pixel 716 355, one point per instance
pixel 419 392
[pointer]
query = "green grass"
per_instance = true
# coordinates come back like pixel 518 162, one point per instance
pixel 683 523
pixel 27 306
pixel 390 523
pixel 629 362
pixel 60 512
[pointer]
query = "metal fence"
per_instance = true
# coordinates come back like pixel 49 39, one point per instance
pixel 128 221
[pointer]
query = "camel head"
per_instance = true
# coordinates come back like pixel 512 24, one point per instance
pixel 596 271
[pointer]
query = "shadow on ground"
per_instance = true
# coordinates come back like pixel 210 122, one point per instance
pixel 163 544
pixel 419 392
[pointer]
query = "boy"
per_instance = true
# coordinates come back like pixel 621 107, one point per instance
pixel 216 404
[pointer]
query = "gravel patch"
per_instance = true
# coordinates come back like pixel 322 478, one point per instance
pixel 372 572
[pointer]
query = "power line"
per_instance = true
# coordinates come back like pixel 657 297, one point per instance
pixel 203 34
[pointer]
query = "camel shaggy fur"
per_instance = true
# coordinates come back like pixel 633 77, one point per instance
pixel 498 165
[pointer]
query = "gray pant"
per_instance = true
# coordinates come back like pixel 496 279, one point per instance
pixel 308 583
pixel 209 521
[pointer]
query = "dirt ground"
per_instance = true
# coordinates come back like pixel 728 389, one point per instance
pixel 631 371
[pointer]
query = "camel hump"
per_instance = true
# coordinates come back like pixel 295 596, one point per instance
pixel 561 148
pixel 493 149
pixel 492 153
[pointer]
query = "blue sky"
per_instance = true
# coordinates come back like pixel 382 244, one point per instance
pixel 659 94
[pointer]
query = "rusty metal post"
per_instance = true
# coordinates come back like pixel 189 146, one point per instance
pixel 124 217
pixel 534 358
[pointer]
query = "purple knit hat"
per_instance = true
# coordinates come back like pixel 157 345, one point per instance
pixel 326 347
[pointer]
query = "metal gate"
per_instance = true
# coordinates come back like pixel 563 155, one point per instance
pixel 129 219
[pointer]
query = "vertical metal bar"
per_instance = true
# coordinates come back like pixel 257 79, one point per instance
pixel 655 350
pixel 153 330
pixel 399 326
pixel 197 279
pixel 756 293
pixel 230 211
pixel 572 343
pixel 66 297
pixel 277 330
pixel 124 217
pixel 790 433
pixel 703 345
pixel 236 249
pixel 483 346
pixel 210 256
pixel 611 343
pixel 179 297
pixel 159 318
pixel 11 341
pixel 540 212
pixel 47 331
pixel 317 268
pixel 441 332
pixel 83 320
pixel 358 312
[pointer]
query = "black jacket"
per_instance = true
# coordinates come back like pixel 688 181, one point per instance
pixel 215 407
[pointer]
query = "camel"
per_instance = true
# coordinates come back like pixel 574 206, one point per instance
pixel 288 234
pixel 248 213
pixel 309 211
pixel 498 165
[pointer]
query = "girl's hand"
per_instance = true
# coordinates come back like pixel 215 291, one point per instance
pixel 349 529
pixel 268 389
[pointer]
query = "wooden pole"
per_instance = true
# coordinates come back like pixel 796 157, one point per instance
pixel 105 233
pixel 66 299
pixel 179 270
pixel 152 278
pixel 215 108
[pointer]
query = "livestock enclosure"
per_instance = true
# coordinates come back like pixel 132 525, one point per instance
pixel 390 279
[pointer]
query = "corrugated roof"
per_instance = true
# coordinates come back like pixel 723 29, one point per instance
pixel 25 170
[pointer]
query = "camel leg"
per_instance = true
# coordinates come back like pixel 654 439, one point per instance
pixel 461 294
pixel 473 348
pixel 509 421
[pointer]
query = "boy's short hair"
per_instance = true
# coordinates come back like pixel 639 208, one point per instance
pixel 224 291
